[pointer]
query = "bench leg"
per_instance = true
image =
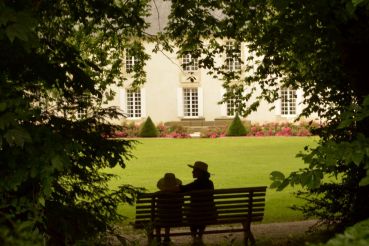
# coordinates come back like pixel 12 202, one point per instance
pixel 150 234
pixel 150 237
pixel 248 234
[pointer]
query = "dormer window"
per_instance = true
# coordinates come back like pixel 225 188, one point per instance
pixel 130 62
pixel 233 57
pixel 189 64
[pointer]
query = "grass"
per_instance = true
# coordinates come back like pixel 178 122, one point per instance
pixel 233 162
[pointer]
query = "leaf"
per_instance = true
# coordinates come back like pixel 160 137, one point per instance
pixel 7 15
pixel 366 101
pixel 284 184
pixel 57 162
pixel 2 106
pixel 41 200
pixel 6 120
pixel 344 124
pixel 276 175
pixel 16 31
pixel 313 179
pixel 357 2
pixel 350 8
pixel 364 181
pixel 357 157
pixel 17 137
pixel 275 184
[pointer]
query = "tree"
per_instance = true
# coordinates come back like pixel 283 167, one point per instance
pixel 58 59
pixel 318 46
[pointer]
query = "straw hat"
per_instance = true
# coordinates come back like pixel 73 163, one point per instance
pixel 200 166
pixel 169 183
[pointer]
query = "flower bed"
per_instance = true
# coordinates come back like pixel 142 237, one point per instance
pixel 131 130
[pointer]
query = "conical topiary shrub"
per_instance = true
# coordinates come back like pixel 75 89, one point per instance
pixel 236 127
pixel 148 129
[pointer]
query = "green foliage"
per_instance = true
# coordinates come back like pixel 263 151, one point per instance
pixel 53 63
pixel 148 129
pixel 236 128
pixel 339 199
pixel 356 235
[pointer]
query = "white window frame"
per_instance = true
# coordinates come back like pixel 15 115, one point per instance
pixel 134 109
pixel 225 106
pixel 81 113
pixel 231 105
pixel 189 64
pixel 288 102
pixel 182 103
pixel 130 62
pixel 232 61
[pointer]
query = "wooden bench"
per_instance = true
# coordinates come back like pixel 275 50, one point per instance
pixel 233 206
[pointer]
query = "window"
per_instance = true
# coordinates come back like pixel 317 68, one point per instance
pixel 134 107
pixel 190 102
pixel 81 113
pixel 130 62
pixel 232 107
pixel 234 100
pixel 82 106
pixel 288 101
pixel 233 57
pixel 189 64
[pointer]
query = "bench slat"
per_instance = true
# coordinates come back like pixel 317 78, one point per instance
pixel 233 206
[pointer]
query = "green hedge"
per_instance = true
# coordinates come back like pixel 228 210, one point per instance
pixel 236 128
pixel 148 129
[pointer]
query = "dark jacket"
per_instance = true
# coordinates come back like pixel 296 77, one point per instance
pixel 201 209
pixel 198 184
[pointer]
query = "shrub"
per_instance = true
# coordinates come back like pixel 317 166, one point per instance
pixel 357 234
pixel 236 128
pixel 213 132
pixel 131 129
pixel 176 131
pixel 162 130
pixel 127 130
pixel 148 129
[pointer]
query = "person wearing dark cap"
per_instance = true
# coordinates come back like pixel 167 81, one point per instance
pixel 202 208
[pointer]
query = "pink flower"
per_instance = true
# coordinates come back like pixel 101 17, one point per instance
pixel 259 134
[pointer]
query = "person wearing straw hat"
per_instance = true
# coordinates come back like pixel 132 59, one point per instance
pixel 202 207
pixel 169 205
pixel 169 183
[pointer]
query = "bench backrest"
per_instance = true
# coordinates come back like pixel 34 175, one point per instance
pixel 232 205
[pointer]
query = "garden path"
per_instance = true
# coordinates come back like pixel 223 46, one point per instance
pixel 273 234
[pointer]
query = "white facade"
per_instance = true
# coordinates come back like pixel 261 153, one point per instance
pixel 169 95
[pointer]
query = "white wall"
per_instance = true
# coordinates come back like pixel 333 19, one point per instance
pixel 165 76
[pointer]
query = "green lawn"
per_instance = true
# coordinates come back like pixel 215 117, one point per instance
pixel 233 162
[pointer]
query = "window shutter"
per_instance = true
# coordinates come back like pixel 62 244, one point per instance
pixel 201 101
pixel 277 105
pixel 299 99
pixel 123 100
pixel 180 102
pixel 223 106
pixel 143 102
